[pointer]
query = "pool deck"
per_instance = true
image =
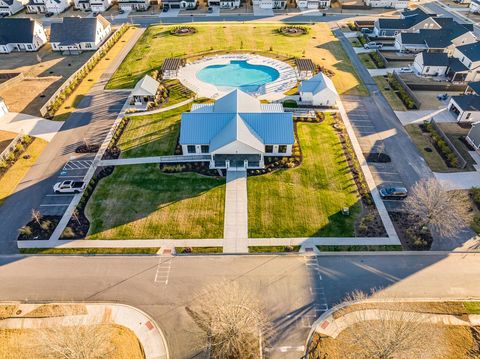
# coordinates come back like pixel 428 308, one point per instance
pixel 274 90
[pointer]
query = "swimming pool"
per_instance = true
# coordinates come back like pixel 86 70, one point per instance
pixel 238 74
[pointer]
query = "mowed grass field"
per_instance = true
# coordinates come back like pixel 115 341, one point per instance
pixel 157 44
pixel 307 200
pixel 141 202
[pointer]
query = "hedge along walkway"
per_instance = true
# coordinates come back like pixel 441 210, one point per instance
pixel 93 76
pixel 10 180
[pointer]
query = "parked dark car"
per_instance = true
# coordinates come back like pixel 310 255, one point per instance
pixel 121 11
pixel 49 14
pixel 165 9
pixel 393 192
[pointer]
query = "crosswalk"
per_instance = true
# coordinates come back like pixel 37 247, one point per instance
pixel 78 164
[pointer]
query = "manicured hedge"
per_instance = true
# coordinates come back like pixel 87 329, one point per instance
pixel 442 146
pixel 401 93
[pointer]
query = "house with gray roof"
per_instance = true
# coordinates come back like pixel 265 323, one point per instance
pixel 48 6
pixel 409 21
pixel 473 88
pixel 237 131
pixel 318 91
pixel 469 56
pixel 93 5
pixel 465 108
pixel 431 63
pixel 137 5
pixel 389 4
pixel 21 34
pixel 75 34
pixel 10 7
pixel 473 136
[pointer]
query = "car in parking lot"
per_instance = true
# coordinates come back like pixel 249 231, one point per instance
pixel 69 186
pixel 373 45
pixel 393 192
pixel 49 14
pixel 406 69
pixel 210 9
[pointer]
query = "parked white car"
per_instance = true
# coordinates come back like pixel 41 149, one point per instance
pixel 69 187
pixel 373 45
pixel 406 70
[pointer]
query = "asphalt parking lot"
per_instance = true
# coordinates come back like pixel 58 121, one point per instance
pixel 55 204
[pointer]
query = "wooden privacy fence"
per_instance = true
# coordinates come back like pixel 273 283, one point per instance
pixel 64 91
pixel 379 53
pixel 462 163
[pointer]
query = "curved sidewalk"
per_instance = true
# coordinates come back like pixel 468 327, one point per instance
pixel 147 331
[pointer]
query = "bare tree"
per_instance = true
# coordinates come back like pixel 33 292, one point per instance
pixel 75 339
pixel 444 211
pixel 36 215
pixel 384 330
pixel 233 320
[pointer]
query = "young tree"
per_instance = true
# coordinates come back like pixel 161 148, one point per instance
pixel 75 339
pixel 233 320
pixel 384 330
pixel 446 212
pixel 36 215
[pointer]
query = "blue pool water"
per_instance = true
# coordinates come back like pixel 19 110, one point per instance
pixel 239 74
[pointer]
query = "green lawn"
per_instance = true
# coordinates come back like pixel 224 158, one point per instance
pixel 367 61
pixel 83 251
pixel 391 96
pixel 141 202
pixel 152 135
pixel 156 44
pixel 307 200
pixel 177 92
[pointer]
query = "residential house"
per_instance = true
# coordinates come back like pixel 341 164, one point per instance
pixel 409 21
pixel 474 7
pixel 145 91
pixel 10 7
pixel 318 91
pixel 305 68
pixel 270 4
pixel 93 5
pixel 313 4
pixel 465 108
pixel 473 88
pixel 473 136
pixel 237 131
pixel 48 6
pixel 137 5
pixel 225 4
pixel 431 63
pixel 21 34
pixel 391 4
pixel 445 39
pixel 180 4
pixel 170 67
pixel 469 56
pixel 78 34
pixel 3 107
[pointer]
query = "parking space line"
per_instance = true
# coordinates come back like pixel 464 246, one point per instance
pixel 60 195
pixel 63 176
pixel 164 267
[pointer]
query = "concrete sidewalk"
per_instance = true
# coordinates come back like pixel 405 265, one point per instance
pixel 459 180
pixel 147 331
pixel 236 213
pixel 162 109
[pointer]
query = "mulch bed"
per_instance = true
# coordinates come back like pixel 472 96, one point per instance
pixel 410 235
pixel 196 167
pixel 183 31
pixel 38 233
pixel 79 224
pixel 293 30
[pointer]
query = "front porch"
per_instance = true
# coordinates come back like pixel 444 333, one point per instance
pixel 237 161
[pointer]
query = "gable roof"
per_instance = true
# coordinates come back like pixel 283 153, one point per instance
pixel 472 51
pixel 409 18
pixel 434 38
pixel 456 65
pixel 317 83
pixel 219 126
pixel 146 87
pixel 74 30
pixel 475 86
pixel 16 31
pixel 434 58
pixel 467 102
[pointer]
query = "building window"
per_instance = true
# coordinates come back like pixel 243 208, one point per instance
pixel 205 149
pixel 191 149
pixel 282 149
pixel 268 148
pixel 29 46
pixel 88 45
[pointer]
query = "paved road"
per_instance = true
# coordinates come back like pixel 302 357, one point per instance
pixel 294 288
pixel 91 121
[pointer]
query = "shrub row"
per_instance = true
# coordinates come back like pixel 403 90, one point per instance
pixel 377 59
pixel 441 145
pixel 68 89
pixel 401 93
pixel 12 156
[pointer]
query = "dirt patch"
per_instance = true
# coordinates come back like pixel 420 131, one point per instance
pixel 56 310
pixel 411 237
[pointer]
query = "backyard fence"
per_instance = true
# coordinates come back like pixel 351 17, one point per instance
pixel 355 7
pixel 462 163
pixel 441 86
pixel 384 59
pixel 11 147
pixel 407 89
pixel 64 91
